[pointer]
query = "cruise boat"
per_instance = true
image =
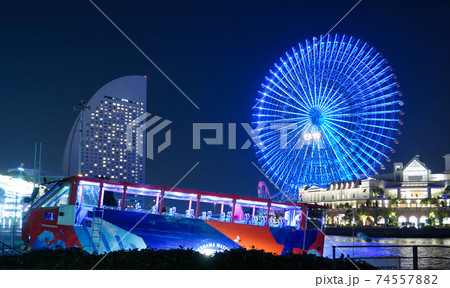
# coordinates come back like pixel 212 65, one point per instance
pixel 100 215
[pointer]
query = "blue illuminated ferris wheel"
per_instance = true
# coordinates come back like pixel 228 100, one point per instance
pixel 328 111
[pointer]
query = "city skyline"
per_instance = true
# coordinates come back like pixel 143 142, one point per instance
pixel 57 54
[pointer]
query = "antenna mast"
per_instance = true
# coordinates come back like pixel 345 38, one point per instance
pixel 82 107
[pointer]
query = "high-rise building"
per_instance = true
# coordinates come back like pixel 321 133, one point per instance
pixel 104 146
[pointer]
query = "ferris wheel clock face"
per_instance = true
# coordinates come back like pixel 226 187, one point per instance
pixel 327 111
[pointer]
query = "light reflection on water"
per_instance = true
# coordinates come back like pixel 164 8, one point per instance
pixel 424 263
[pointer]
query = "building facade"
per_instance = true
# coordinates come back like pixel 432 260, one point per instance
pixel 410 193
pixel 104 145
pixel 14 186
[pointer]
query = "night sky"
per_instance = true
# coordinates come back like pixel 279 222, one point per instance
pixel 55 53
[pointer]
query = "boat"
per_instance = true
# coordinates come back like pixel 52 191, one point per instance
pixel 101 215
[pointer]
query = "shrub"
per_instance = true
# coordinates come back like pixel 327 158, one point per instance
pixel 175 259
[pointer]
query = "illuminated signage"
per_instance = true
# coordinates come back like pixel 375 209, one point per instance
pixel 211 248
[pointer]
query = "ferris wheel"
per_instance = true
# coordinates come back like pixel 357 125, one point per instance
pixel 328 111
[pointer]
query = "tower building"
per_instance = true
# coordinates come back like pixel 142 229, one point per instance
pixel 104 144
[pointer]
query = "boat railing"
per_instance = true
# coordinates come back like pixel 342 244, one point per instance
pixel 115 196
pixel 257 220
pixel 415 255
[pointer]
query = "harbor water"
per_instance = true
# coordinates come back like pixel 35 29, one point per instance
pixel 429 257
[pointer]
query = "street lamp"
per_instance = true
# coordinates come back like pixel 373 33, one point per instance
pixel 82 107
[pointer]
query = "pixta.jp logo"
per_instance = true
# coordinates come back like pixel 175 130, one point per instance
pixel 151 128
pixel 151 125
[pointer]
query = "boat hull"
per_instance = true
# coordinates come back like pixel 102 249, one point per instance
pixel 134 230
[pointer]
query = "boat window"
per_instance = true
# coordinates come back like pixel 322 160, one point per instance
pixel 215 208
pixel 47 195
pixel 59 197
pixel 285 216
pixel 179 204
pixel 250 212
pixel 112 196
pixel 141 199
pixel 88 193
pixel 315 218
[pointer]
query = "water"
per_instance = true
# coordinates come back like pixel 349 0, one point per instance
pixel 406 263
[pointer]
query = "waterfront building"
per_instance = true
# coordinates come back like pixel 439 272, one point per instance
pixel 14 186
pixel 104 145
pixel 410 195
